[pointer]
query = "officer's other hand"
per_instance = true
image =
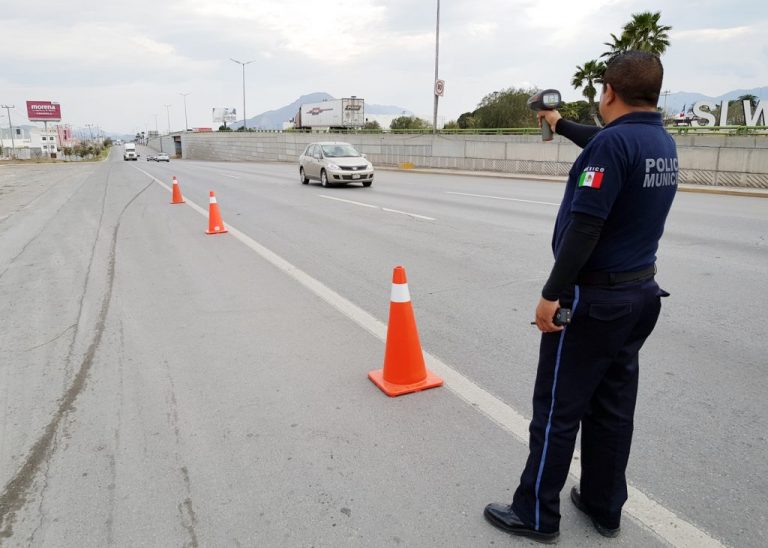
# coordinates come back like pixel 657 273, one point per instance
pixel 551 117
pixel 545 316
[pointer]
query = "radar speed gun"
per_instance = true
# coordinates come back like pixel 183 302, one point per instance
pixel 548 99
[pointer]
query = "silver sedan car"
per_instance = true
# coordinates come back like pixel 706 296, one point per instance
pixel 334 163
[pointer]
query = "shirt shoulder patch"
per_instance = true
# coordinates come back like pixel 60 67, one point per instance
pixel 591 177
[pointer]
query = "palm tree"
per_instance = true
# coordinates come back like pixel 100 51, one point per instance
pixel 753 101
pixel 642 33
pixel 587 76
pixel 618 44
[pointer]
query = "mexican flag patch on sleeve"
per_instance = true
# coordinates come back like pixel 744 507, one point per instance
pixel 591 179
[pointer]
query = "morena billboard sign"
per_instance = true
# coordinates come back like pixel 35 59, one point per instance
pixel 43 111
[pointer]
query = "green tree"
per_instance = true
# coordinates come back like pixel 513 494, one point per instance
pixel 505 109
pixel 578 111
pixel 642 33
pixel 409 122
pixel 587 76
pixel 372 126
pixel 467 121
pixel 224 128
pixel 736 109
pixel 451 124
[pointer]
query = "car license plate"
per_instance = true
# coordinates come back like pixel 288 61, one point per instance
pixel 356 176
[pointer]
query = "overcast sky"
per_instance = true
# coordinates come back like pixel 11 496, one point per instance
pixel 116 64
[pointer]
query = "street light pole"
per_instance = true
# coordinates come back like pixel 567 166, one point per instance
pixel 168 112
pixel 10 124
pixel 437 56
pixel 90 131
pixel 665 93
pixel 245 120
pixel 186 122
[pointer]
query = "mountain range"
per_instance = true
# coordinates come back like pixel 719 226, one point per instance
pixel 273 119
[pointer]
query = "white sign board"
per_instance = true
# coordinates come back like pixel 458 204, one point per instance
pixel 224 115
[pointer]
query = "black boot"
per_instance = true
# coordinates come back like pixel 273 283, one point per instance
pixel 501 516
pixel 605 531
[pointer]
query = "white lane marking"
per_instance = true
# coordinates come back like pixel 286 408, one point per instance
pixel 502 198
pixel 230 176
pixel 348 201
pixel 647 512
pixel 378 207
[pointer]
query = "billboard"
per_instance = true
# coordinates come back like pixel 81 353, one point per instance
pixel 43 111
pixel 224 115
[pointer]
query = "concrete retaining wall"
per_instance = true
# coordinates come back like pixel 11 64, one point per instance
pixel 738 161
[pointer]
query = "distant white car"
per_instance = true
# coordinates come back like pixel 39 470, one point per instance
pixel 334 163
pixel 162 157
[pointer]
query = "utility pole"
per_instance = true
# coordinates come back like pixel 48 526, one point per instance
pixel 186 122
pixel 10 124
pixel 90 132
pixel 245 119
pixel 168 111
pixel 437 56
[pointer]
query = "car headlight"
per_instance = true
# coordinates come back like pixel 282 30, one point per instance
pixel 333 166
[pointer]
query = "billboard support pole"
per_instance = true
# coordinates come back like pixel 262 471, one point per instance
pixel 437 56
pixel 10 123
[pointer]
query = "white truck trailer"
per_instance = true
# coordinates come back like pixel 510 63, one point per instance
pixel 347 113
pixel 129 152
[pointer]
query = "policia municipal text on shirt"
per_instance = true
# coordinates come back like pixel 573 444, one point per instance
pixel 606 235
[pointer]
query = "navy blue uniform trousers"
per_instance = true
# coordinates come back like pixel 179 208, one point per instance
pixel 587 375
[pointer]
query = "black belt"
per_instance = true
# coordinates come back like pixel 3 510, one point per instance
pixel 613 278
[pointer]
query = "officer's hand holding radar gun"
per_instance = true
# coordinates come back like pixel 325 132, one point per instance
pixel 544 103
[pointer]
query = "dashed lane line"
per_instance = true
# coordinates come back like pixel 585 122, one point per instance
pixel 502 198
pixel 378 207
pixel 645 511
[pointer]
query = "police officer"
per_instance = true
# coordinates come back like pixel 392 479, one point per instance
pixel 612 216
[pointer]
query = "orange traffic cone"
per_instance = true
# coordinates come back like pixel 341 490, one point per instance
pixel 215 224
pixel 177 198
pixel 404 370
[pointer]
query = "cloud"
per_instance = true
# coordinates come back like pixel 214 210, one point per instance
pixel 91 54
pixel 314 30
pixel 91 45
pixel 707 35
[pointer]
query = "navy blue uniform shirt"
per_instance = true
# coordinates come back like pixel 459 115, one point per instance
pixel 626 175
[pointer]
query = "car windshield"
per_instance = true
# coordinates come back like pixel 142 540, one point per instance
pixel 340 151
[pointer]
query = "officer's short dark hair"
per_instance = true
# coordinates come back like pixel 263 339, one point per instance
pixel 635 77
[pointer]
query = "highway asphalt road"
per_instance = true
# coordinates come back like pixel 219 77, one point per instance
pixel 163 387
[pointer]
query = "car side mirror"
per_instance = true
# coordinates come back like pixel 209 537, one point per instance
pixel 364 155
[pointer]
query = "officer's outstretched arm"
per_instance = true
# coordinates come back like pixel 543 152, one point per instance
pixel 579 134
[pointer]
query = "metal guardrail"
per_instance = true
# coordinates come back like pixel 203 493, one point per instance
pixel 674 130
pixel 718 130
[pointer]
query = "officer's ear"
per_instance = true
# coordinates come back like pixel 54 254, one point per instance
pixel 609 94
